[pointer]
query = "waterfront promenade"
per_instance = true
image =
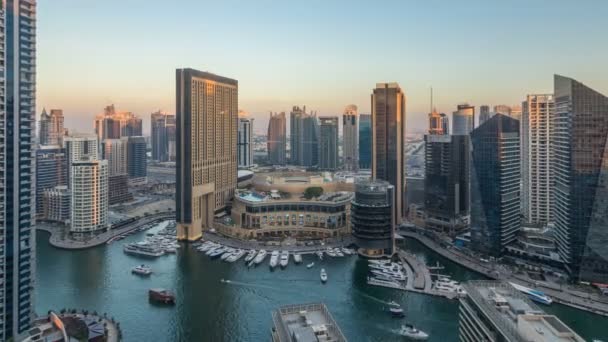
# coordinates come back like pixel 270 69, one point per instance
pixel 60 237
pixel 561 294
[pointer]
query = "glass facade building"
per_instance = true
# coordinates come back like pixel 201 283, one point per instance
pixel 137 167
pixel 17 183
pixel 463 119
pixel 276 140
pixel 495 184
pixel 328 144
pixel 365 141
pixel 163 136
pixel 51 171
pixel 580 171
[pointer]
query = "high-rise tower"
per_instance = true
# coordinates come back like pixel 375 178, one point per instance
pixel 17 192
pixel 463 119
pixel 365 141
pixel 388 138
pixel 328 142
pixel 206 148
pixel 245 142
pixel 276 140
pixel 350 134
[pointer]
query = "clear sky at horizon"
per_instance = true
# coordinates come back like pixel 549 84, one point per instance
pixel 322 54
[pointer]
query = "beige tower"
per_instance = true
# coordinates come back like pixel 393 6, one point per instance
pixel 206 120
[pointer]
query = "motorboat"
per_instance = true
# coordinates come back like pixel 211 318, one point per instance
pixel 346 251
pixel 338 252
pixel 250 255
pixel 330 252
pixel 323 275
pixel 274 259
pixel 236 255
pixel 319 254
pixel 297 258
pixel 213 249
pixel 143 249
pixel 161 296
pixel 227 253
pixel 260 256
pixel 284 259
pixel 142 270
pixel 217 252
pixel 310 265
pixel 393 275
pixel 396 311
pixel 411 332
pixel 535 295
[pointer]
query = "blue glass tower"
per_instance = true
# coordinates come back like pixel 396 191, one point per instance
pixel 17 105
pixel 365 141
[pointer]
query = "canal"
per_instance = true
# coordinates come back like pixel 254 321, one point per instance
pixel 208 309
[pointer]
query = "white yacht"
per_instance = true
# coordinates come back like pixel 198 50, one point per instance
pixel 310 265
pixel 338 252
pixel 260 256
pixel 411 332
pixel 319 254
pixel 217 252
pixel 236 255
pixel 143 249
pixel 250 255
pixel 323 275
pixel 228 253
pixel 330 252
pixel 297 258
pixel 346 251
pixel 284 259
pixel 142 270
pixel 274 259
pixel 212 249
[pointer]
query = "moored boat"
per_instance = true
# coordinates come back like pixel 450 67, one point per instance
pixel 297 258
pixel 142 270
pixel 260 256
pixel 274 259
pixel 161 296
pixel 323 275
pixel 250 255
pixel 284 259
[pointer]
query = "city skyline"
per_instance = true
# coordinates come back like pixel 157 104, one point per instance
pixel 457 75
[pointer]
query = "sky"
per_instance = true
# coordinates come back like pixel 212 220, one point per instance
pixel 323 54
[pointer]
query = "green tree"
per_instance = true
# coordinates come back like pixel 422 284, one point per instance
pixel 313 191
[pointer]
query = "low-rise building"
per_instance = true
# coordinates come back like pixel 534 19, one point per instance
pixel 56 204
pixel 305 323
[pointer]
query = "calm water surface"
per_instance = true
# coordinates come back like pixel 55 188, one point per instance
pixel 99 279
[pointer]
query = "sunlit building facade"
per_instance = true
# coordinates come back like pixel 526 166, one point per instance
pixel 207 109
pixel 276 139
pixel 350 134
pixel 328 143
pixel 463 119
pixel 89 196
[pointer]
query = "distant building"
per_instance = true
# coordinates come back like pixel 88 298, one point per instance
pixel 276 139
pixel 438 123
pixel 350 134
pixel 245 142
pixel 163 136
pixel 206 174
pixel 51 171
pixel 388 136
pixel 495 183
pixel 495 311
pixel 579 140
pixel 516 112
pixel 536 126
pixel 115 152
pixel 137 163
pixel 463 120
pixel 415 191
pixel 112 124
pixel 305 323
pixel 446 183
pixel 56 204
pixel 51 128
pixel 89 196
pixel 502 109
pixel 484 114
pixel 365 141
pixel 373 218
pixel 328 143
pixel 304 138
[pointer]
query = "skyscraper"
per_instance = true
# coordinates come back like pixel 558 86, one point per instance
pixel 438 123
pixel 112 124
pixel 484 114
pixel 495 178
pixel 206 148
pixel 365 141
pixel 536 126
pixel 17 193
pixel 89 196
pixel 276 140
pixel 115 152
pixel 388 139
pixel 328 144
pixel 304 139
pixel 137 163
pixel 373 218
pixel 77 147
pixel 580 154
pixel 446 182
pixel 245 142
pixel 51 128
pixel 463 119
pixel 51 171
pixel 162 136
pixel 502 109
pixel 350 137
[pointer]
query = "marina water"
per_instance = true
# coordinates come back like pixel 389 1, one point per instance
pixel 207 309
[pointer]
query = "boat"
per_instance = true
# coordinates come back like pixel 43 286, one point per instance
pixel 250 255
pixel 143 249
pixel 297 258
pixel 142 270
pixel 380 261
pixel 260 256
pixel 236 255
pixel 161 296
pixel 219 249
pixel 171 250
pixel 228 253
pixel 330 252
pixel 319 254
pixel 274 259
pixel 284 259
pixel 217 252
pixel 310 265
pixel 323 275
pixel 396 311
pixel 393 275
pixel 346 251
pixel 535 295
pixel 411 332
pixel 338 252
